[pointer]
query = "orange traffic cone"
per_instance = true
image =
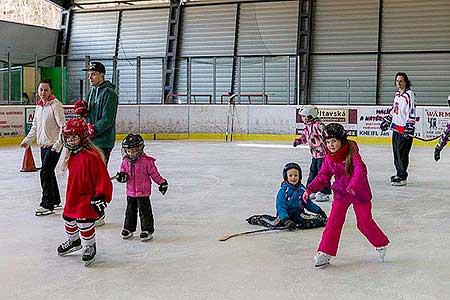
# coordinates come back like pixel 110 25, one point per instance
pixel 28 164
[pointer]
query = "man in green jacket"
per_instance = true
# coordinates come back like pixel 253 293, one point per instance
pixel 102 103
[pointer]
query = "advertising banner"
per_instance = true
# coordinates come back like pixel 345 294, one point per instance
pixel 348 117
pixel 11 121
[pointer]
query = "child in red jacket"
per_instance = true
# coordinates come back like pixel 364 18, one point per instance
pixel 89 189
pixel 351 186
pixel 138 170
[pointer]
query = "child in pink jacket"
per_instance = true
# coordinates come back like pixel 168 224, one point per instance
pixel 351 186
pixel 312 135
pixel 138 170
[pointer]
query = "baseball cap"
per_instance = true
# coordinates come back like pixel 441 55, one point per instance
pixel 96 66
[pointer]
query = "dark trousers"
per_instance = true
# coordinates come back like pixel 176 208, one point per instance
pixel 106 153
pixel 145 214
pixel 50 190
pixel 401 146
pixel 314 168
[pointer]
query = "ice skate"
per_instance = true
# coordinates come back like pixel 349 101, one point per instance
pixel 69 246
pixel 321 197
pixel 58 206
pixel 126 234
pixel 321 259
pixel 100 221
pixel 312 196
pixel 42 211
pixel 145 236
pixel 381 252
pixel 398 181
pixel 89 254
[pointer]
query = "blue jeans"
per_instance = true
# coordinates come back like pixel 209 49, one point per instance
pixel 316 164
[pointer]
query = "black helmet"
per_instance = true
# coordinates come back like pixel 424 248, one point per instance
pixel 132 141
pixel 335 130
pixel 289 166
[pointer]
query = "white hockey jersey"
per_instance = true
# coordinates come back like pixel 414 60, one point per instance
pixel 403 110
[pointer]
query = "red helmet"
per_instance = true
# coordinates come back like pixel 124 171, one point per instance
pixel 74 127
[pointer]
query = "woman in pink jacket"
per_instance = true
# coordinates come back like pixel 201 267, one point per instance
pixel 138 170
pixel 351 186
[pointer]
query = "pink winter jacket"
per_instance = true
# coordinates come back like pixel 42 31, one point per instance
pixel 357 181
pixel 140 175
pixel 312 135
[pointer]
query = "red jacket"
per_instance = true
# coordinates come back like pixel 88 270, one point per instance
pixel 88 177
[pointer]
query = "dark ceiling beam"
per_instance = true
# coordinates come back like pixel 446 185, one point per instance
pixel 63 3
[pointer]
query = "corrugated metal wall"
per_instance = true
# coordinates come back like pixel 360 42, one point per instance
pixel 416 25
pixel 92 34
pixel 268 28
pixel 341 28
pixel 143 33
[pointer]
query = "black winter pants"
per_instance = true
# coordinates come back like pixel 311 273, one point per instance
pixel 145 214
pixel 50 190
pixel 401 146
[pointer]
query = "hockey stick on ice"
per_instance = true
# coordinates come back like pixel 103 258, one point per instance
pixel 424 140
pixel 227 237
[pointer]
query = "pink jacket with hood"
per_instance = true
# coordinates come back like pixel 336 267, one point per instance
pixel 357 180
pixel 140 175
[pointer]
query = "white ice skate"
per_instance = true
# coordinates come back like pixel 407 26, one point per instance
pixel 89 253
pixel 381 252
pixel 100 221
pixel 42 211
pixel 321 197
pixel 312 196
pixel 321 259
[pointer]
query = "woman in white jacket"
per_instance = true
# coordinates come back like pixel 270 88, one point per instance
pixel 47 122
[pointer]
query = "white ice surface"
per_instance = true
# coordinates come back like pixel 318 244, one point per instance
pixel 213 187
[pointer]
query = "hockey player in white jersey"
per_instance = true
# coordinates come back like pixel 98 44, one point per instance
pixel 401 121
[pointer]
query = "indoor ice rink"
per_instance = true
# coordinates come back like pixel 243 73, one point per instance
pixel 213 188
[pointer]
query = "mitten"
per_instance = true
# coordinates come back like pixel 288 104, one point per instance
pixel 296 143
pixel 121 177
pixel 81 108
pixel 163 187
pixel 289 224
pixel 98 203
pixel 386 123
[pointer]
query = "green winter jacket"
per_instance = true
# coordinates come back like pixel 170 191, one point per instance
pixel 102 111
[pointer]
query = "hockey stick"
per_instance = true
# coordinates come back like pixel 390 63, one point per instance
pixel 227 237
pixel 424 140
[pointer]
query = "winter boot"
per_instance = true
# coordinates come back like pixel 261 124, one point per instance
pixel 42 211
pixel 89 254
pixel 381 252
pixel 69 246
pixel 321 197
pixel 321 259
pixel 126 234
pixel 145 236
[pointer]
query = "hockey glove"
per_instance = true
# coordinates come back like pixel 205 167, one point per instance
pixel 98 203
pixel 163 187
pixel 437 152
pixel 289 224
pixel 91 130
pixel 81 108
pixel 121 177
pixel 386 123
pixel 409 129
pixel 296 143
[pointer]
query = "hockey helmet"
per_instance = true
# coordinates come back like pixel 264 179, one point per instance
pixel 74 127
pixel 335 130
pixel 309 111
pixel 289 166
pixel 132 142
